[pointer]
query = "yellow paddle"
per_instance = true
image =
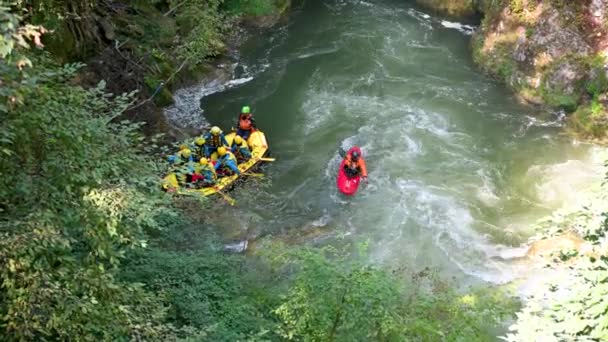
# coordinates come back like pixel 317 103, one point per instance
pixel 227 198
pixel 268 159
pixel 259 175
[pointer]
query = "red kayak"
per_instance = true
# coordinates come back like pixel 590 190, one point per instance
pixel 348 185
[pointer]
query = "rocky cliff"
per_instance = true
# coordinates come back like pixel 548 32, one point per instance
pixel 550 52
pixel 453 7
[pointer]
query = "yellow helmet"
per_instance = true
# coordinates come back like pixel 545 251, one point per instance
pixel 199 141
pixel 203 161
pixel 221 151
pixel 238 140
pixel 183 147
pixel 215 130
pixel 186 153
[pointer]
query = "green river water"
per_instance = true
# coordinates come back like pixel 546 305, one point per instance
pixel 459 170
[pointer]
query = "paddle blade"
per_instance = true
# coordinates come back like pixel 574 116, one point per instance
pixel 252 174
pixel 227 198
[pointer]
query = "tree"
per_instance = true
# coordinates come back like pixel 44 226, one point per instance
pixel 73 199
pixel 333 298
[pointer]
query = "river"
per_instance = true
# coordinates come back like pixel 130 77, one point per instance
pixel 459 170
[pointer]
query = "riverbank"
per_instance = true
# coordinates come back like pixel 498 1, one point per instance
pixel 156 49
pixel 550 53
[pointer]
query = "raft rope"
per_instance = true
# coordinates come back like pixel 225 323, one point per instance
pixel 159 87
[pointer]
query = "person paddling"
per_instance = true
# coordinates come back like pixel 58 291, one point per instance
pixel 246 123
pixel 354 165
pixel 214 139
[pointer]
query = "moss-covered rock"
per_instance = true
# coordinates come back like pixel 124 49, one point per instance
pixel 550 52
pixel 258 13
pixel 160 91
pixel 451 7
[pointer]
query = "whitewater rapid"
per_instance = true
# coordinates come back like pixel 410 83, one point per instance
pixel 459 170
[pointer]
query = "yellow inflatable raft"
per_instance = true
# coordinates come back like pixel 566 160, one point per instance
pixel 258 147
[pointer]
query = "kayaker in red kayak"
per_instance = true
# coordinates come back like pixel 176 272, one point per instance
pixel 354 165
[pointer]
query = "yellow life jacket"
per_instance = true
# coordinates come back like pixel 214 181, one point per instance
pixel 170 181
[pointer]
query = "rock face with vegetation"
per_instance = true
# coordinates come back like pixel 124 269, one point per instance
pixel 550 52
pixel 154 47
pixel 455 7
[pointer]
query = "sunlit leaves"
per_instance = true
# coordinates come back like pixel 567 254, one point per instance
pixel 572 306
pixel 334 299
pixel 13 35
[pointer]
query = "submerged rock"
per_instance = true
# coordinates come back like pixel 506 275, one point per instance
pixel 559 245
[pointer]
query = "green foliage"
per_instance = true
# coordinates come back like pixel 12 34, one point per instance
pixel 334 299
pixel 73 199
pixel 252 7
pixel 454 7
pixel 567 102
pixel 529 32
pixel 205 39
pixel 13 35
pixel 14 40
pixel 577 312
pixel 598 82
pixel 328 303
pixel 498 61
pixel 203 289
pixel 597 108
pixel 307 295
pixel 571 305
pixel 589 120
pixel 517 6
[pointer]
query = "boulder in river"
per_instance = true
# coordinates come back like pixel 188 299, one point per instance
pixel 565 245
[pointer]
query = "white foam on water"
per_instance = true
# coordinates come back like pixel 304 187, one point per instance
pixel 364 3
pixel 322 221
pixel 466 29
pixel 238 81
pixel 565 184
pixel 318 52
pixel 423 18
pixel 329 104
pixel 450 223
pixel 186 110
pixel 401 204
pixel 486 192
